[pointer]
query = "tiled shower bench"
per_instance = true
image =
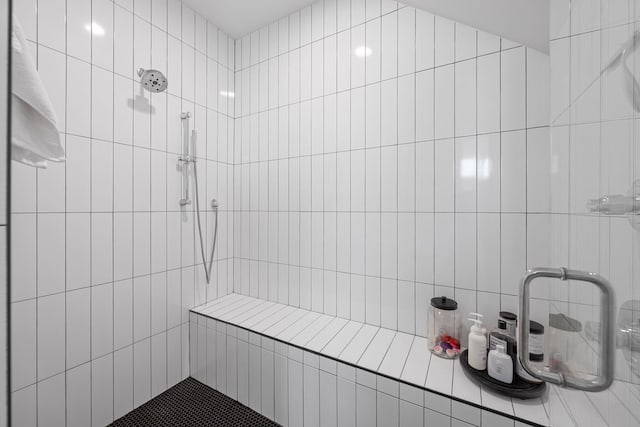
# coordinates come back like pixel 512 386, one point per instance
pixel 303 368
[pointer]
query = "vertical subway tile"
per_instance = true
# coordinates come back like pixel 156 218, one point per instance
pixel 51 335
pixel 78 327
pixel 51 253
pixel 78 395
pixel 51 400
pixel 102 40
pixel 102 390
pixel 78 36
pixel 513 89
pixel 51 25
pixel 23 344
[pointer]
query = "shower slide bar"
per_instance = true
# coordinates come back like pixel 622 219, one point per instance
pixel 185 159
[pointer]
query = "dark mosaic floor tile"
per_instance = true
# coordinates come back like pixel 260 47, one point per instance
pixel 193 404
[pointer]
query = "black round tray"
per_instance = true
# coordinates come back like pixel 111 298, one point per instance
pixel 520 388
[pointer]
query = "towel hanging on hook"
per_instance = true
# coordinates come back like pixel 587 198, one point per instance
pixel 35 138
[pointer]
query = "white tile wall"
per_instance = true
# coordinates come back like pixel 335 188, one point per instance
pixel 104 266
pixel 365 185
pixel 294 387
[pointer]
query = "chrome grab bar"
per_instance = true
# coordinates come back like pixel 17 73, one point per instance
pixel 607 344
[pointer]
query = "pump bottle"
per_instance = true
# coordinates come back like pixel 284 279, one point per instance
pixel 477 354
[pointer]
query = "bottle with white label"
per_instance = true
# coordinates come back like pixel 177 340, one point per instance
pixel 500 365
pixel 498 335
pixel 536 350
pixel 536 341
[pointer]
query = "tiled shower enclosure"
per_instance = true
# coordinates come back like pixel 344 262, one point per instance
pixel 366 155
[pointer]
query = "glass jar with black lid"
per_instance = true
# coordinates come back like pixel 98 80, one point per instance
pixel 443 327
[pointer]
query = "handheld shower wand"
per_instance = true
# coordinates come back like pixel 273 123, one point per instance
pixel 214 207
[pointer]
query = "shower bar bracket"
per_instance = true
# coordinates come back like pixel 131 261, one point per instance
pixel 615 204
pixel 186 159
pixel 619 205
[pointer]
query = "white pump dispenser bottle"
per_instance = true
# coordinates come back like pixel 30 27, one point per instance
pixel 477 354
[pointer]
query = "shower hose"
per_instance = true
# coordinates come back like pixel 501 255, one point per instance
pixel 214 205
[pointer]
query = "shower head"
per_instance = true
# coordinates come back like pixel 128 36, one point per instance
pixel 152 80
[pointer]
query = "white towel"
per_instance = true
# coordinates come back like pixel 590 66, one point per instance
pixel 34 135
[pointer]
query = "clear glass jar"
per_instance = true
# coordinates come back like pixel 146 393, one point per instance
pixel 443 328
pixel 569 352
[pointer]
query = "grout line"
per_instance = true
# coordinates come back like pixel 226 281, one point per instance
pixel 37 222
pixel 150 216
pixel 91 218
pixel 8 327
pixel 113 245
pixel 66 243
pixel 455 207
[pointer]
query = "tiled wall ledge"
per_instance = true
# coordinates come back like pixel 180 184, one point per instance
pixel 300 367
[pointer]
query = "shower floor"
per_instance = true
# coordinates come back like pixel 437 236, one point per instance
pixel 192 404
